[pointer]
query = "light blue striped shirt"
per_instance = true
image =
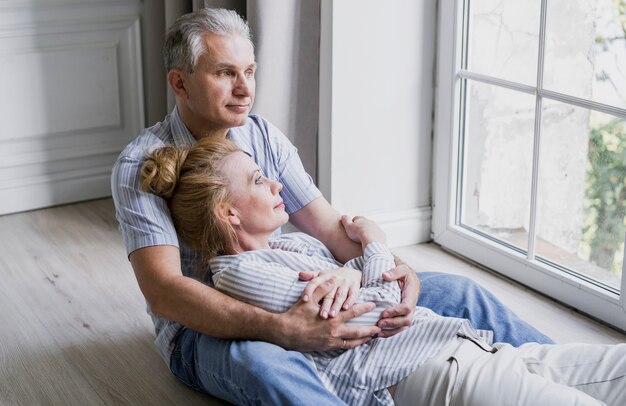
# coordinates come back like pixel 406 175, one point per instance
pixel 144 218
pixel 359 376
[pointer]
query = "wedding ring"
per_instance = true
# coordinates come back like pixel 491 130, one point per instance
pixel 343 345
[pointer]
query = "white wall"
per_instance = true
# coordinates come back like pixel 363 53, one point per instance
pixel 71 86
pixel 376 104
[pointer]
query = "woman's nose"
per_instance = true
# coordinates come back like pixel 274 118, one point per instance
pixel 277 186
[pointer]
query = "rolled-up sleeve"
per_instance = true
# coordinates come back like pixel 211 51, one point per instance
pixel 144 218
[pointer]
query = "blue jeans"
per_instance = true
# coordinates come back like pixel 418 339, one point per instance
pixel 248 372
pixel 259 373
pixel 458 296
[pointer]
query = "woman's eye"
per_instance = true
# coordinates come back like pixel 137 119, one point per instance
pixel 259 180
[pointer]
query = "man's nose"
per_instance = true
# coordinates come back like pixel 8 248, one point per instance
pixel 243 85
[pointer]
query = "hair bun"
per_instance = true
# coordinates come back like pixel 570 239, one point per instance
pixel 161 170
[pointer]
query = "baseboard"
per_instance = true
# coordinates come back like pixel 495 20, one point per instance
pixel 405 227
pixel 57 191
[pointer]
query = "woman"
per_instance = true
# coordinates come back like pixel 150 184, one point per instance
pixel 225 209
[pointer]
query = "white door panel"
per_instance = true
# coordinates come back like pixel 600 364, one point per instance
pixel 72 98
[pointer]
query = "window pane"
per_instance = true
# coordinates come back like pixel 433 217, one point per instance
pixel 504 37
pixel 582 191
pixel 586 49
pixel 498 162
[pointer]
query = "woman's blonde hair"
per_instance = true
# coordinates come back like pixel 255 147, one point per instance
pixel 194 186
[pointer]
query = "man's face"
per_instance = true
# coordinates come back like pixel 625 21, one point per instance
pixel 220 91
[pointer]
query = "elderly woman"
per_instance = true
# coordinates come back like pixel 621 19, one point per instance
pixel 228 212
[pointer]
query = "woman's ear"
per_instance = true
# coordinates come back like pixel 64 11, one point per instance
pixel 233 216
pixel 228 214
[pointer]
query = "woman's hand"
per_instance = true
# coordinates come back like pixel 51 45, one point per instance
pixel 344 289
pixel 363 230
pixel 397 318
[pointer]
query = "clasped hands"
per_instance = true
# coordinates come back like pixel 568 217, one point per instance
pixel 318 321
pixel 327 303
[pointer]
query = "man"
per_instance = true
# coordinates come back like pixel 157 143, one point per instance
pixel 210 62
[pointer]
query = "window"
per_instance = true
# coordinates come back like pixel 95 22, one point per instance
pixel 530 144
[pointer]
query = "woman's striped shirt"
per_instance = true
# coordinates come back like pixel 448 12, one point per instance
pixel 269 279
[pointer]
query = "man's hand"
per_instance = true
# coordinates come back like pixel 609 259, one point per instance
pixel 301 328
pixel 362 230
pixel 344 284
pixel 397 318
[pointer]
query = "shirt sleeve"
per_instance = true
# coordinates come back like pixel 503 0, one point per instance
pixel 144 218
pixel 274 286
pixel 375 260
pixel 268 285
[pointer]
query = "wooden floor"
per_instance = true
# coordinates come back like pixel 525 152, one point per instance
pixel 73 326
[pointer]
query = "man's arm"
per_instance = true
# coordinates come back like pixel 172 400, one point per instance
pixel 204 309
pixel 320 220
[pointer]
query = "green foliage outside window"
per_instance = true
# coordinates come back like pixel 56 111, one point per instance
pixel 605 200
pixel 605 196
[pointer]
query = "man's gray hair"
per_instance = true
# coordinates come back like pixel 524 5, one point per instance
pixel 184 43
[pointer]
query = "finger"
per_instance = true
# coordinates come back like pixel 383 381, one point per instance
pixel 396 322
pixel 355 342
pixel 340 297
pixel 408 281
pixel 396 273
pixel 308 275
pixel 357 310
pixel 327 303
pixel 359 333
pixel 345 219
pixel 353 295
pixel 397 317
pixel 313 286
pixel 401 310
pixel 323 290
pixel 391 332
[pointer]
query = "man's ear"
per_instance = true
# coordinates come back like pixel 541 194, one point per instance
pixel 176 80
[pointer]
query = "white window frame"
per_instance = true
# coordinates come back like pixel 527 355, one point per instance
pixel 584 295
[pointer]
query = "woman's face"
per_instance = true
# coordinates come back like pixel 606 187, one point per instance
pixel 255 198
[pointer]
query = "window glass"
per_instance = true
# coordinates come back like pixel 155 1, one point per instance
pixel 498 162
pixel 503 40
pixel 581 203
pixel 586 50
